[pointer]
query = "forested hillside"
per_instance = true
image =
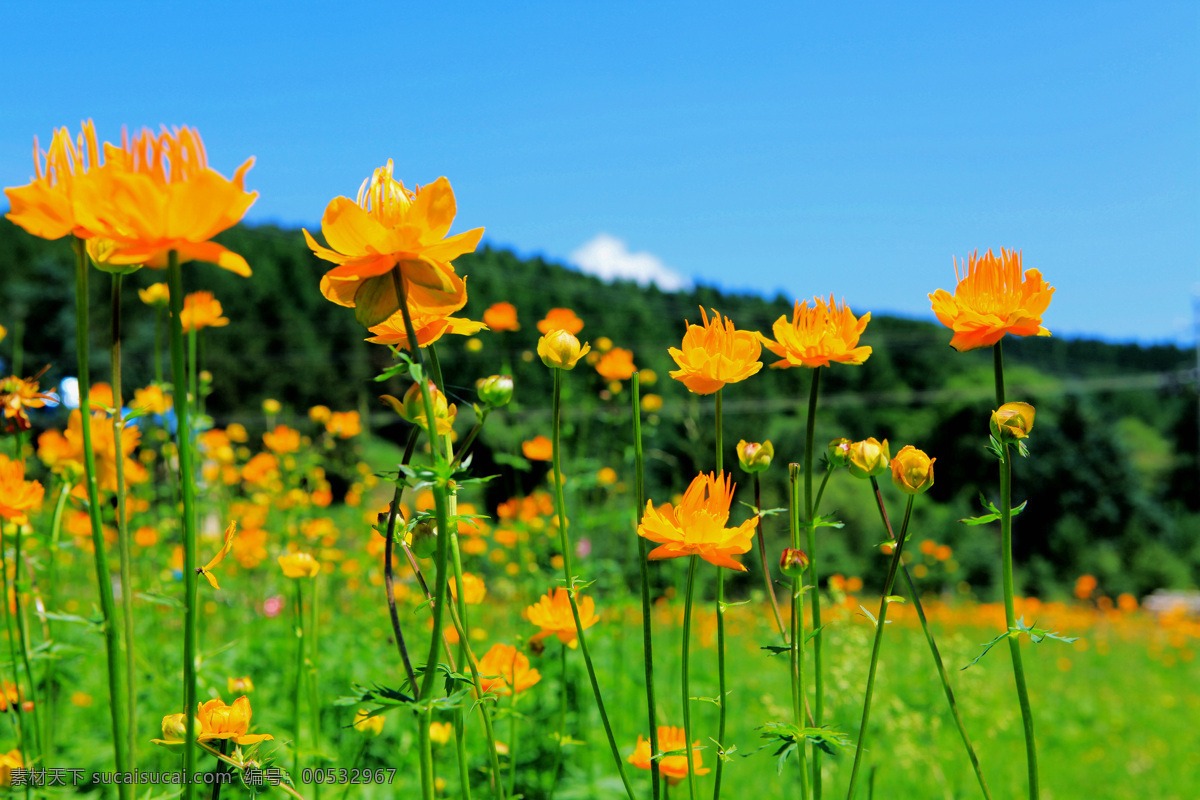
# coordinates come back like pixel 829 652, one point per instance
pixel 1112 476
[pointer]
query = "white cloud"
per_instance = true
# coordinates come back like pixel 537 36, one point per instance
pixel 608 258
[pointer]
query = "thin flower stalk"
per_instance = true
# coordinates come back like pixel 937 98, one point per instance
pixel 643 552
pixel 126 558
pixel 183 441
pixel 562 722
pixel 51 600
pixel 720 625
pixel 762 554
pixel 933 648
pixel 297 687
pixel 390 586
pixel 560 505
pixel 103 579
pixel 897 552
pixel 18 720
pixel 797 643
pixel 1010 614
pixel 689 592
pixel 23 634
pixel 813 577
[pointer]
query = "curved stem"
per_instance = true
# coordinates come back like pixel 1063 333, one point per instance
pixel 933 649
pixel 797 649
pixel 687 689
pixel 103 576
pixel 643 563
pixel 565 542
pixel 389 584
pixel 880 621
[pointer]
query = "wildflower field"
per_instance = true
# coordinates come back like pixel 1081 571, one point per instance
pixel 502 548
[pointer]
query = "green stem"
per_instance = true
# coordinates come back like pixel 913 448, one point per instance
pixel 766 568
pixel 720 624
pixel 23 634
pixel 998 370
pixel 193 396
pixel 687 689
pixel 48 679
pixel 880 621
pixel 18 719
pixel 126 558
pixel 562 723
pixel 313 664
pixel 797 649
pixel 560 504
pixel 103 576
pixel 512 737
pixel 158 321
pixel 813 576
pixel 643 560
pixel 933 649
pixel 183 442
pixel 362 749
pixel 297 688
pixel 390 586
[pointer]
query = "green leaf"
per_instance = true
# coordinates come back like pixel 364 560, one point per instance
pixel 986 647
pixel 827 521
pixel 160 599
pixel 895 598
pixel 763 512
pixel 776 649
pixel 1037 635
pixel 510 460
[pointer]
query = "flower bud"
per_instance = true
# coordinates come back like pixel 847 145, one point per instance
pixel 424 539
pixel 755 457
pixel 299 565
pixel 174 727
pixel 1012 421
pixel 366 724
pixel 793 562
pixel 869 458
pixel 912 470
pixel 839 452
pixel 412 407
pixel 561 350
pixel 271 406
pixel 496 390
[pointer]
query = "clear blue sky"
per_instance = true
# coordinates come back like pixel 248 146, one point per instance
pixel 848 148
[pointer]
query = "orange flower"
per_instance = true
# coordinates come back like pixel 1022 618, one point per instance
pixel 156 295
pixel 993 299
pixel 282 440
pixel 818 335
pixel 697 525
pixel 501 317
pixel 715 354
pixel 201 310
pixel 105 449
pixel 17 495
pixel 18 394
pixel 552 613
pixel 616 365
pixel 219 721
pixel 504 668
pixel 560 319
pixel 1084 586
pixel 44 207
pixel 675 767
pixel 344 424
pixel 152 400
pixel 539 448
pixel 157 194
pixel 428 327
pixel 474 590
pixel 391 226
pixel 8 762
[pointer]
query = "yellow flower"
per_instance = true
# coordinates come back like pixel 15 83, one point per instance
pixel 45 206
pixel 673 767
pixel 755 457
pixel 428 327
pixel 271 406
pixel 201 310
pixel 412 408
pixel 344 424
pixel 18 394
pixel 367 724
pixel 207 569
pixel 474 590
pixel 299 565
pixel 242 685
pixel 559 349
pixel 714 354
pixel 220 721
pixel 441 732
pixel 504 669
pixel 652 403
pixel 993 299
pixel 912 470
pixel 1012 421
pixel 319 414
pixel 8 762
pixel 606 476
pixel 391 226
pixel 696 526
pixel 552 613
pixel 869 458
pixel 156 295
pixel 818 335
pixel 152 400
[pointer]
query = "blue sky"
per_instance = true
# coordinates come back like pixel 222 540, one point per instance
pixel 849 148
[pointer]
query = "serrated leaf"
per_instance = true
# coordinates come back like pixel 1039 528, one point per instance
pixel 827 521
pixel 986 647
pixel 776 649
pixel 763 512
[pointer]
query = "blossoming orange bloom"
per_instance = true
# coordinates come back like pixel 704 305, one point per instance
pixel 8 762
pixel 560 319
pixel 104 448
pixel 344 424
pixel 552 613
pixel 152 399
pixel 993 299
pixel 697 525
pixel 156 194
pixel 616 365
pixel 17 495
pixel 282 440
pixel 219 721
pixel 501 317
pixel 504 669
pixel 675 768
pixel 18 394
pixel 44 207
pixel 201 310
pixel 1084 586
pixel 539 448
pixel 714 354
pixel 474 589
pixel 391 226
pixel 428 327
pixel 818 335
pixel 260 469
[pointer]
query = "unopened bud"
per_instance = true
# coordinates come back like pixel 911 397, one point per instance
pixel 755 457
pixel 496 390
pixel 424 539
pixel 561 350
pixel 839 452
pixel 793 562
pixel 869 458
pixel 174 727
pixel 912 470
pixel 1012 421
pixel 412 407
